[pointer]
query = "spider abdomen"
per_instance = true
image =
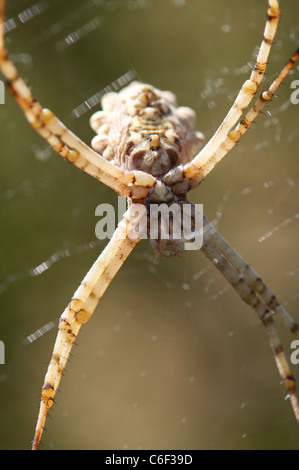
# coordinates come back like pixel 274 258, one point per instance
pixel 140 128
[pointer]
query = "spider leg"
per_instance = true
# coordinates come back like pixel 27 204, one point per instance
pixel 244 97
pixel 253 291
pixel 250 277
pixel 81 308
pixel 62 140
pixel 235 135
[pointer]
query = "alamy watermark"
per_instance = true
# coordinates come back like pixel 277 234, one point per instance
pixel 295 94
pixel 166 222
pixel 295 354
pixel 2 353
pixel 2 92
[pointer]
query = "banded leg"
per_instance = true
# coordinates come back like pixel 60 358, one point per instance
pixel 81 308
pixel 61 139
pixel 235 135
pixel 251 293
pixel 244 97
pixel 250 277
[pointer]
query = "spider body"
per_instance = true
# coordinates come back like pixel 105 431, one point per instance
pixel 141 128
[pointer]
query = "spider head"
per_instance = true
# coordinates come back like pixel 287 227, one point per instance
pixel 152 153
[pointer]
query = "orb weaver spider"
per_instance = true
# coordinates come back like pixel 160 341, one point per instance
pixel 146 150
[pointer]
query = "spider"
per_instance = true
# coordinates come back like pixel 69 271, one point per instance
pixel 146 149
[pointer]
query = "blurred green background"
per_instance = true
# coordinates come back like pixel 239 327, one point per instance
pixel 172 358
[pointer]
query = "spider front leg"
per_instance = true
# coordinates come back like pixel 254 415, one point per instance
pixel 195 169
pixel 235 135
pixel 62 140
pixel 82 306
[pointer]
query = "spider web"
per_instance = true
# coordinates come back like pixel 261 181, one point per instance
pixel 172 358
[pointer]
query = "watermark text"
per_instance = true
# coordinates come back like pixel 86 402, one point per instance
pixel 295 354
pixel 295 94
pixel 2 92
pixel 161 221
pixel 2 353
